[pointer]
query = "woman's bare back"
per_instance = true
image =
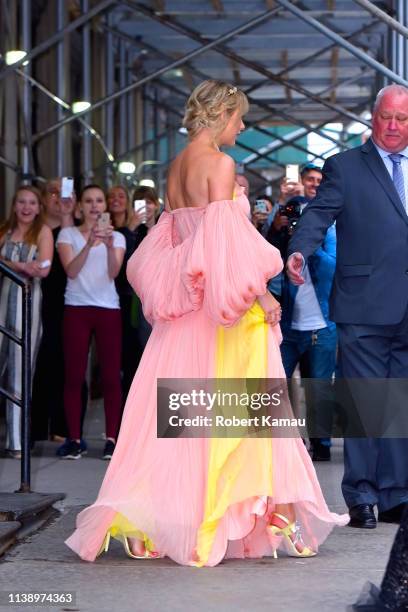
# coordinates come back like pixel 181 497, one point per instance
pixel 197 176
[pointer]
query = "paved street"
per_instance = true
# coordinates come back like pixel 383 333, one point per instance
pixel 327 583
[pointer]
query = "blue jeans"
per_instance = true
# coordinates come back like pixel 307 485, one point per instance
pixel 319 347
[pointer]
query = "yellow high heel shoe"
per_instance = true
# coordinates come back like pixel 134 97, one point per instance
pixel 105 544
pixel 148 554
pixel 294 544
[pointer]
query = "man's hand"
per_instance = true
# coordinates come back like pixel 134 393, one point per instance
pixel 289 190
pixel 294 268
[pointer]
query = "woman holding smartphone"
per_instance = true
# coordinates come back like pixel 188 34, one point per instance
pixel 92 255
pixel 26 246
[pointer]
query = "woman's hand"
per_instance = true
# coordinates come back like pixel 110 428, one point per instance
pixel 106 236
pixel 271 308
pixel 32 269
pixel 94 236
pixel 135 220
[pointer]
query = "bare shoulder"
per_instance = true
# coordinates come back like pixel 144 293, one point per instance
pixel 221 178
pixel 225 162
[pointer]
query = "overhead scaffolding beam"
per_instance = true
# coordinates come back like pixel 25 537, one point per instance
pixel 175 64
pixel 383 16
pixel 271 111
pixel 291 143
pixel 285 141
pixel 54 38
pixel 226 52
pixel 343 43
pixel 65 107
pixel 309 58
pixel 252 124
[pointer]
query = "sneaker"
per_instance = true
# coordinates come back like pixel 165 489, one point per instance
pixel 13 454
pixel 108 450
pixel 72 450
pixel 61 450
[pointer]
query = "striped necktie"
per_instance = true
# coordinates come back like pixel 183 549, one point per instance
pixel 398 176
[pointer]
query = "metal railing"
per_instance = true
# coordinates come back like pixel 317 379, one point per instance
pixel 25 342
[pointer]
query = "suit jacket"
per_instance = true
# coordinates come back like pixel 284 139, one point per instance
pixel 371 278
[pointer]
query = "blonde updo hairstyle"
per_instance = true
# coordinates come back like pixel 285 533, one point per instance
pixel 211 105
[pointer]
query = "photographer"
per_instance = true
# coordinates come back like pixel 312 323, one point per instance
pixel 308 334
pixel 260 212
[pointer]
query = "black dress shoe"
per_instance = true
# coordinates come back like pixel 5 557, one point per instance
pixel 393 515
pixel 320 452
pixel 362 516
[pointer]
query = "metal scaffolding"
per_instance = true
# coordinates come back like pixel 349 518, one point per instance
pixel 303 65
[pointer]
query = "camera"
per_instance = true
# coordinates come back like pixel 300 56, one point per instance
pixel 292 210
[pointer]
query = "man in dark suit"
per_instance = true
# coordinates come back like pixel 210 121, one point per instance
pixel 365 191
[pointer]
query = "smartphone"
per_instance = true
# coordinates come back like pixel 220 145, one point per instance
pixel 139 206
pixel 67 187
pixel 104 221
pixel 292 173
pixel 260 206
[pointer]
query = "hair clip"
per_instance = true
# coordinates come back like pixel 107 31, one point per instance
pixel 232 91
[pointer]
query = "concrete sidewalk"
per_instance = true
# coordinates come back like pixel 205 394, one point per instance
pixel 327 583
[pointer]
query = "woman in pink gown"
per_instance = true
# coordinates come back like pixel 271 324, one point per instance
pixel 201 274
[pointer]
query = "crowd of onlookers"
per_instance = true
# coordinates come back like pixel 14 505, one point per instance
pixel 75 251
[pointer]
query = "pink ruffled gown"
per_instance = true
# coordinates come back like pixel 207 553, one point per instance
pixel 198 273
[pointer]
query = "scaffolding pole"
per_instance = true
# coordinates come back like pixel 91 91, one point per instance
pixel 343 43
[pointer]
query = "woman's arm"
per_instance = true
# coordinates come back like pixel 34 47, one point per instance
pixel 115 260
pixel 33 269
pixel 71 263
pixel 45 252
pixel 17 266
pixel 115 253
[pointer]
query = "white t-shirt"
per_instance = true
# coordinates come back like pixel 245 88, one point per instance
pixel 92 286
pixel 307 314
